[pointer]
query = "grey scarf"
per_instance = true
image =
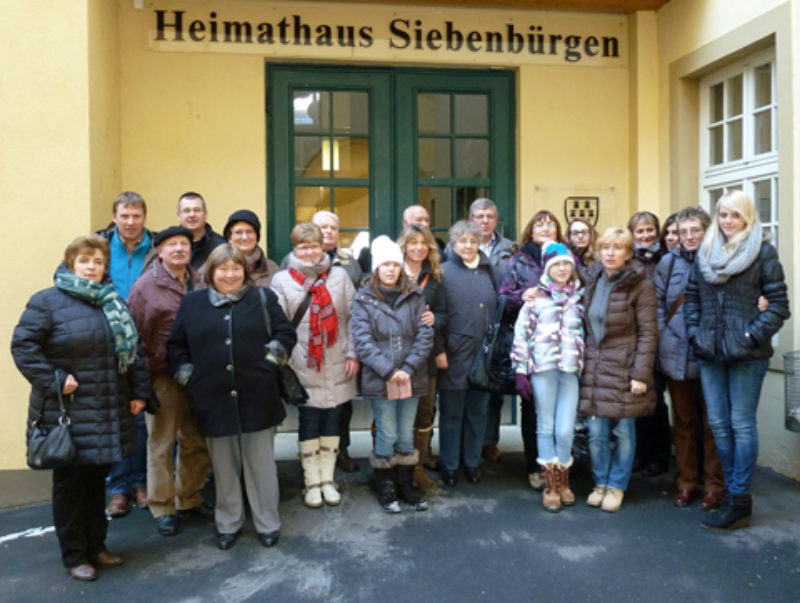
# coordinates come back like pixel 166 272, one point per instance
pixel 217 299
pixel 720 263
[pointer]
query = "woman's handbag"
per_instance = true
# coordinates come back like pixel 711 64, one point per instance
pixel 492 369
pixel 291 390
pixel 51 449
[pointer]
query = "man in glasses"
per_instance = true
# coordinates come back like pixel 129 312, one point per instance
pixel 192 215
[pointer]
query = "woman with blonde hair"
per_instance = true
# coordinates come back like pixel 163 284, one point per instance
pixel 731 339
pixel 421 265
pixel 617 382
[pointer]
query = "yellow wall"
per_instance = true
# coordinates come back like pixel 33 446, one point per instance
pixel 45 184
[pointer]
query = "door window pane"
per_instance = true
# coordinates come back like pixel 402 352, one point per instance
pixel 763 85
pixel 311 111
pixel 472 158
pixel 763 132
pixel 308 200
pixel 438 200
pixel 735 140
pixel 351 112
pixel 433 113
pixel 465 195
pixel 734 96
pixel 472 113
pixel 350 157
pixel 434 157
pixel 308 157
pixel 351 205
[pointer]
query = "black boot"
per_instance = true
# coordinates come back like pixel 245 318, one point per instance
pixel 733 513
pixel 386 492
pixel 403 474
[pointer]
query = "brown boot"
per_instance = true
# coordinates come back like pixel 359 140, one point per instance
pixel 550 498
pixel 422 438
pixel 567 496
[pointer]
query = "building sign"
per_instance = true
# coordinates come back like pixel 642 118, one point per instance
pixel 324 30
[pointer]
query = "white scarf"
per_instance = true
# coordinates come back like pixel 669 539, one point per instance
pixel 720 263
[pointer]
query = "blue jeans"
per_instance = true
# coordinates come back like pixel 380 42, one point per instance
pixel 394 425
pixel 131 472
pixel 732 390
pixel 462 423
pixel 612 468
pixel 556 397
pixel 316 422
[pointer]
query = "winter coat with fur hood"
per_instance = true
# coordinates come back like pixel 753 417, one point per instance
pixel 627 350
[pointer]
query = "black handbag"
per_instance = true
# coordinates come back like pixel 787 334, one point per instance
pixel 492 369
pixel 291 390
pixel 53 448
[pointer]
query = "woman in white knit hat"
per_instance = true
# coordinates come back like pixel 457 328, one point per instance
pixel 393 345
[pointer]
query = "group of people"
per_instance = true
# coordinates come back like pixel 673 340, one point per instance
pixel 193 328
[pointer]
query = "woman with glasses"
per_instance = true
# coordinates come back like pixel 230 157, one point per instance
pixel 581 237
pixel 318 297
pixel 243 231
pixel 519 285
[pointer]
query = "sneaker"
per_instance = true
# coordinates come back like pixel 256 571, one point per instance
pixel 612 501
pixel 596 497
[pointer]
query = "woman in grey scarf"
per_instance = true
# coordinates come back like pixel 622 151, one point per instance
pixel 731 339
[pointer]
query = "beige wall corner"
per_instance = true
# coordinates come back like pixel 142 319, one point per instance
pixel 44 168
pixel 644 95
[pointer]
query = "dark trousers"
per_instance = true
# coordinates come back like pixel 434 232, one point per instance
pixel 653 438
pixel 79 503
pixel 345 414
pixel 316 422
pixel 529 443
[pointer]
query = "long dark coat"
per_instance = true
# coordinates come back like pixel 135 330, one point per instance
pixel 233 388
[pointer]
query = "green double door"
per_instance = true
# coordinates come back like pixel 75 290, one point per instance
pixel 367 143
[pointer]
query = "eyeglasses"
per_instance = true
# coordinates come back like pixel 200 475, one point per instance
pixel 307 248
pixel 685 232
pixel 192 210
pixel 579 233
pixel 243 234
pixel 544 226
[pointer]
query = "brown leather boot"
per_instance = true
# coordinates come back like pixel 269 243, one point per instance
pixel 550 497
pixel 422 438
pixel 567 496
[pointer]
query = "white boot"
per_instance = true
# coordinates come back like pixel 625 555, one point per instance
pixel 309 458
pixel 328 449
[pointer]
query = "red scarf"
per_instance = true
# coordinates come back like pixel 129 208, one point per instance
pixel 323 324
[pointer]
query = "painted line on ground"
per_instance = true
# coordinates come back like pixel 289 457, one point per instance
pixel 29 533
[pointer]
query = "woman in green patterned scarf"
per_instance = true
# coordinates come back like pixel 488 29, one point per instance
pixel 79 338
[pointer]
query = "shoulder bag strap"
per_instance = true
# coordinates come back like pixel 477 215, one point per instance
pixel 267 321
pixel 298 316
pixel 63 418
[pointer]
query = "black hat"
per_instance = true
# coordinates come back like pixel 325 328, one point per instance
pixel 172 231
pixel 242 215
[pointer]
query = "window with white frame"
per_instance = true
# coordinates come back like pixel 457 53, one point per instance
pixel 738 135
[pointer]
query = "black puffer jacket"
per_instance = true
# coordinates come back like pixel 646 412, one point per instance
pixel 232 389
pixel 723 321
pixel 58 331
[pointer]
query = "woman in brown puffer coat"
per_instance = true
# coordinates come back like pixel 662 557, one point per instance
pixel 617 381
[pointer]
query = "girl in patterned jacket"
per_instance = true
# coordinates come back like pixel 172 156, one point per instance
pixel 548 356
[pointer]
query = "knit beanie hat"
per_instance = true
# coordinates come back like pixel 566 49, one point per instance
pixel 242 215
pixel 385 250
pixel 553 252
pixel 172 231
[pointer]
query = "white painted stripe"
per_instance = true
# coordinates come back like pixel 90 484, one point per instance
pixel 30 533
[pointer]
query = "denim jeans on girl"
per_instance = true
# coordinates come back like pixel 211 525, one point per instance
pixel 612 464
pixel 556 396
pixel 462 423
pixel 394 425
pixel 732 390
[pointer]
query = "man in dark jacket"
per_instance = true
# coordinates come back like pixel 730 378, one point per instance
pixel 131 246
pixel 153 302
pixel 192 215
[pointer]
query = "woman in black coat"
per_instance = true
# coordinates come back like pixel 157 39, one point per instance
pixel 222 349
pixel 731 338
pixel 78 337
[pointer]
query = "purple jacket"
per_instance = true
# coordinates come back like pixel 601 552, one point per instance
pixel 523 273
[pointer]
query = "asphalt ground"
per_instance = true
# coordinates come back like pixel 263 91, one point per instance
pixel 487 542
